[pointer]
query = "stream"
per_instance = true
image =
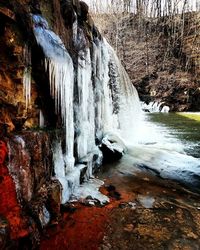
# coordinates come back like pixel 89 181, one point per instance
pixel 167 146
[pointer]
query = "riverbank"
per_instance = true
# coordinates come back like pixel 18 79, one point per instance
pixel 191 115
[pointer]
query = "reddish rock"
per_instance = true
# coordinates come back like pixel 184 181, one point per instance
pixel 9 205
pixel 84 229
pixel 3 152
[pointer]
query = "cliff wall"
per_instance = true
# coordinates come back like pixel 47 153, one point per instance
pixel 30 195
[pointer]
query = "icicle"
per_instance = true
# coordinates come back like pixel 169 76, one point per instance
pixel 41 119
pixel 27 76
pixel 75 29
pixel 85 109
pixel 59 65
pixel 69 180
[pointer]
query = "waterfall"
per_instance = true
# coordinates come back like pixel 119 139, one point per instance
pixel 165 109
pixel 95 98
pixel 118 107
pixel 128 104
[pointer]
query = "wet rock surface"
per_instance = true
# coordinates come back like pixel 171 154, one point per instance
pixel 150 213
pixel 112 148
pixel 9 205
pixel 168 224
pixel 110 154
pixel 29 197
pixel 166 227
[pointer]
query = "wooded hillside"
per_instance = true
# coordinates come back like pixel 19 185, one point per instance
pixel 160 51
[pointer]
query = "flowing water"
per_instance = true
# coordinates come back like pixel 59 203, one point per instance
pixel 186 130
pixel 168 146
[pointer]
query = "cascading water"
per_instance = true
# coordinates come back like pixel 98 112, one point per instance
pixel 160 153
pixel 165 109
pixel 118 100
pixel 127 100
pixel 95 99
pixel 148 145
pixel 155 107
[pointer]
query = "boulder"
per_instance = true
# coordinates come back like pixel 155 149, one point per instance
pixel 112 148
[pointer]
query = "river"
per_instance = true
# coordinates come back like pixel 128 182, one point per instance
pixel 167 145
pixel 187 131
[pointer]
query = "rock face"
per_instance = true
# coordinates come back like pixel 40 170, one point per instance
pixel 163 65
pixel 30 195
pixel 20 54
pixel 9 205
pixel 27 188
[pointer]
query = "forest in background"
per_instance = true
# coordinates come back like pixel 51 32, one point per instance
pixel 152 8
pixel 158 42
